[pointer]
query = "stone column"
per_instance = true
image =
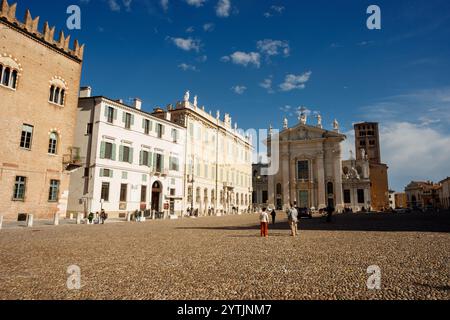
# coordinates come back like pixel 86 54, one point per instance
pixel 78 218
pixel 56 219
pixel 29 220
pixel 338 180
pixel 285 180
pixel 1 222
pixel 320 182
pixel 292 181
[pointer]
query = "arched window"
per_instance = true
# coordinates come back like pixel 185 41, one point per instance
pixel 6 75
pixel 58 90
pixel 53 143
pixel 14 79
pixel 52 93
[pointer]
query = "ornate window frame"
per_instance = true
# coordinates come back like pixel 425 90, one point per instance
pixel 58 90
pixel 8 62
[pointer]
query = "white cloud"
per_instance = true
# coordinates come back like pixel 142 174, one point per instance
pixel 293 82
pixel 165 5
pixel 203 58
pixel 267 84
pixel 271 47
pixel 244 59
pixel 188 44
pixel 208 27
pixel 239 89
pixel 127 4
pixel 196 3
pixel 190 29
pixel 113 5
pixel 187 67
pixel 223 8
pixel 274 10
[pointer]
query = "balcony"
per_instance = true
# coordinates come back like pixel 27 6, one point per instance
pixel 72 160
pixel 228 185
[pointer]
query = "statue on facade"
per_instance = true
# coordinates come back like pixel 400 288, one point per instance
pixel 285 123
pixel 195 101
pixel 270 130
pixel 303 117
pixel 336 125
pixel 351 155
pixel 217 114
pixel 187 96
pixel 363 154
pixel 319 121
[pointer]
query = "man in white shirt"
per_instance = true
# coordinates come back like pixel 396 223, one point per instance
pixel 264 219
pixel 293 220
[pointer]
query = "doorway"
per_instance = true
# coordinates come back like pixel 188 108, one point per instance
pixel 156 196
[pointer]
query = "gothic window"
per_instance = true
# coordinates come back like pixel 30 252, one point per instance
pixel 53 143
pixel 57 94
pixel 9 71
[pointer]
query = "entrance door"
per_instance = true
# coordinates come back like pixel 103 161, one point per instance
pixel 156 196
pixel 303 199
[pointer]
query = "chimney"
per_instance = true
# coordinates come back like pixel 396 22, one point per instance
pixel 85 92
pixel 137 103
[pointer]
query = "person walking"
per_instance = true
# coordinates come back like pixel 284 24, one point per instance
pixel 274 215
pixel 293 220
pixel 103 216
pixel 264 220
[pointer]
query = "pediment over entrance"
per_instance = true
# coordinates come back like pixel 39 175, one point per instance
pixel 306 132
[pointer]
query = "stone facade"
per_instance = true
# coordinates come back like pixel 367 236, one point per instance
pixel 310 171
pixel 38 95
pixel 422 195
pixel 260 186
pixel 132 160
pixel 444 195
pixel 356 185
pixel 218 160
pixel 367 144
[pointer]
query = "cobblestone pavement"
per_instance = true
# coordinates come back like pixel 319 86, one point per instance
pixel 224 258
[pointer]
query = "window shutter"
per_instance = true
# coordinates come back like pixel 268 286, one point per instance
pixel 124 117
pixel 149 160
pixel 143 124
pixel 113 152
pixel 106 111
pixel 162 163
pixel 155 156
pixel 141 156
pixel 102 172
pixel 110 173
pixel 163 129
pixel 102 150
pixel 121 153
pixel 151 126
pixel 132 119
pixel 130 158
pixel 115 114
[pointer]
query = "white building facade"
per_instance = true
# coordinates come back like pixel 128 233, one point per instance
pixel 132 160
pixel 218 162
pixel 356 185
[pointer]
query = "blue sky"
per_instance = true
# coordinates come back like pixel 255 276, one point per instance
pixel 260 60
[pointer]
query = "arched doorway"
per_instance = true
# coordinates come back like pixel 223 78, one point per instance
pixel 279 197
pixel 330 193
pixel 156 196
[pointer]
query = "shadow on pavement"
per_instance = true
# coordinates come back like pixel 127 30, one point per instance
pixel 381 222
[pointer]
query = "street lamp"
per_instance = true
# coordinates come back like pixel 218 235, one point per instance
pixel 191 180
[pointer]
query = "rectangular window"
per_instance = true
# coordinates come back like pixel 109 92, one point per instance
pixel 146 126
pixel 108 150
pixel 361 196
pixel 145 158
pixel 174 164
pixel 19 188
pixel 303 170
pixel 160 130
pixel 172 192
pixel 105 191
pixel 347 197
pixel 54 191
pixel 143 194
pixel 123 192
pixel 110 114
pixel 128 120
pixel 89 129
pixel 175 135
pixel 26 137
pixel 126 154
pixel 108 173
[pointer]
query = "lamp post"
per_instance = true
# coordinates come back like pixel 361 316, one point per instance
pixel 192 181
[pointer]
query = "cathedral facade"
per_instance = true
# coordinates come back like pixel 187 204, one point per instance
pixel 310 167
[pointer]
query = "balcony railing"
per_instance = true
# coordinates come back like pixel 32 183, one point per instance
pixel 72 160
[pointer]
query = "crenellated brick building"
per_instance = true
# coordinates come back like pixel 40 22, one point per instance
pixel 39 82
